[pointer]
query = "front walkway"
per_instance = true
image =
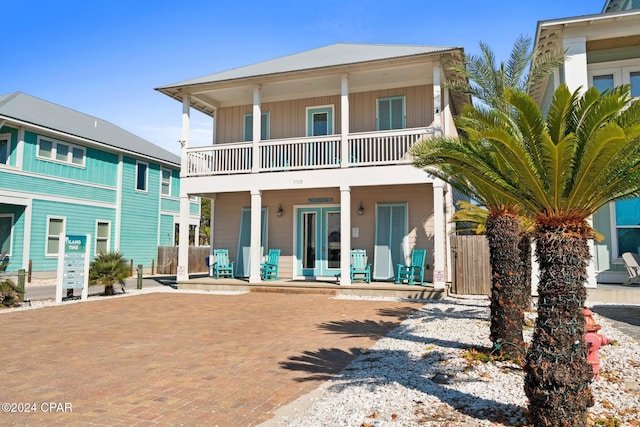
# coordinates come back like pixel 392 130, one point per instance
pixel 180 358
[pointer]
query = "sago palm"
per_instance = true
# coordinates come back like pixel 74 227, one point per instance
pixel 563 168
pixel 107 269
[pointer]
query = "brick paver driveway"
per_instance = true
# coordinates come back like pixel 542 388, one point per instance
pixel 180 359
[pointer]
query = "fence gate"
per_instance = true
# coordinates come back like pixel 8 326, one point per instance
pixel 471 269
pixel 168 259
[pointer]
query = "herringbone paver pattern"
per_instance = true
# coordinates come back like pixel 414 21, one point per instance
pixel 180 359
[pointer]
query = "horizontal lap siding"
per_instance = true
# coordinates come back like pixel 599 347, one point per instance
pixel 17 243
pixel 140 215
pixel 79 219
pixel 167 229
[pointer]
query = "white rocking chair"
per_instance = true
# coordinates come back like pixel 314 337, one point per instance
pixel 633 268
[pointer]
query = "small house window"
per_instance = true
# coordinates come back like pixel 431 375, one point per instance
pixel 50 149
pixel 55 226
pixel 390 113
pixel 166 182
pixel 102 237
pixel 603 82
pixel 4 150
pixel 6 233
pixel 141 176
pixel 248 127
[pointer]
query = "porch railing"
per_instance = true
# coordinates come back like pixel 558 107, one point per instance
pixel 365 149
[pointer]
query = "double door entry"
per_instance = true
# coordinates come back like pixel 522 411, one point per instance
pixel 318 241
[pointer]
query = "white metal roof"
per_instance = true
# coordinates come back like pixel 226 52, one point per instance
pixel 28 109
pixel 327 56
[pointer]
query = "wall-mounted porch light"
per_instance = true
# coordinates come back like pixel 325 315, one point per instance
pixel 360 209
pixel 279 212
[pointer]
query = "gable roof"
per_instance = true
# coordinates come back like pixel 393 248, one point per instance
pixel 35 111
pixel 323 57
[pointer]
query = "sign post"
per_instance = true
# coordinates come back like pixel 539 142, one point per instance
pixel 73 264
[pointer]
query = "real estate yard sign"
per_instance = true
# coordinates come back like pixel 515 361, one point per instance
pixel 73 264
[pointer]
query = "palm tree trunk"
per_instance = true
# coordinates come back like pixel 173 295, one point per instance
pixel 557 375
pixel 524 246
pixel 507 316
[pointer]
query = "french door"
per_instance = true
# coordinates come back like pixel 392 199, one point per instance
pixel 318 241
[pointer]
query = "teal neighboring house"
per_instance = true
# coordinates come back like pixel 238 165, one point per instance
pixel 62 171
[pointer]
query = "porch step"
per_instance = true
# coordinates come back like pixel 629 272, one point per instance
pixel 294 290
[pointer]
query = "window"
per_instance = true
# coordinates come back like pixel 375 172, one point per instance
pixel 320 120
pixel 5 143
pixel 6 233
pixel 390 113
pixel 50 149
pixel 248 127
pixel 102 236
pixel 141 176
pixel 603 82
pixel 55 226
pixel 166 182
pixel 634 80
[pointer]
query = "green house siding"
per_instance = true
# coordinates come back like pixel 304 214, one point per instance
pixel 17 242
pixel 171 205
pixel 194 208
pixel 13 143
pixel 79 219
pixel 140 214
pixel 100 167
pixel 166 236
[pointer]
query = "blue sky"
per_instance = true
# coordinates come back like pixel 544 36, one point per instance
pixel 104 58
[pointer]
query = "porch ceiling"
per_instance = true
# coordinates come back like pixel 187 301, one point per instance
pixel 387 74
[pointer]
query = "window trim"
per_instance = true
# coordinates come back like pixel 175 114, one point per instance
pixel 146 177
pixel 267 130
pixel 162 171
pixel 49 235
pixel 6 137
pixel 310 111
pixel 98 238
pixel 54 152
pixel 12 218
pixel 404 111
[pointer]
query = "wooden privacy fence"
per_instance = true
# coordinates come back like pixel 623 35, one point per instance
pixel 471 269
pixel 168 259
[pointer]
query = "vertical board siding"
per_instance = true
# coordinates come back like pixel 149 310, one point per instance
pixel 168 259
pixel 79 219
pixel 471 269
pixel 281 229
pixel 139 229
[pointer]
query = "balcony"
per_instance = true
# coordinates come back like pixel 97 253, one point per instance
pixel 319 152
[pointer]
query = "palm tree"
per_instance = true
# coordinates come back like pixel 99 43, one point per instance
pixel 487 81
pixel 107 269
pixel 562 168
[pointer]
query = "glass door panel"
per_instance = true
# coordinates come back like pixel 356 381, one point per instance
pixel 309 240
pixel 332 224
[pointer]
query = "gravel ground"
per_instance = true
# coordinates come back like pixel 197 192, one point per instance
pixel 418 376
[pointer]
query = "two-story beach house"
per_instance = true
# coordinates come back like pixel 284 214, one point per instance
pixel 62 171
pixel 603 50
pixel 310 155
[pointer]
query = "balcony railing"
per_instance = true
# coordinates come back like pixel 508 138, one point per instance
pixel 365 149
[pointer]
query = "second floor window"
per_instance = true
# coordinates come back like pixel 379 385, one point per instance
pixel 390 113
pixel 248 127
pixel 166 182
pixel 4 151
pixel 51 149
pixel 141 176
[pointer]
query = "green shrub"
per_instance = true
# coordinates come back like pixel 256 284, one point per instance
pixel 8 293
pixel 107 269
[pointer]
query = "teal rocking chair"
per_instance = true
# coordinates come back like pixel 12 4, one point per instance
pixel 269 269
pixel 414 273
pixel 221 266
pixel 360 270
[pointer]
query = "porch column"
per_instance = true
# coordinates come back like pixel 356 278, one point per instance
pixel 183 227
pixel 437 100
pixel 345 235
pixel 439 235
pixel 214 125
pixel 257 132
pixel 256 231
pixel 344 120
pixel 575 66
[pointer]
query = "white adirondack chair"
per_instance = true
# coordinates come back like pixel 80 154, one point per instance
pixel 633 267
